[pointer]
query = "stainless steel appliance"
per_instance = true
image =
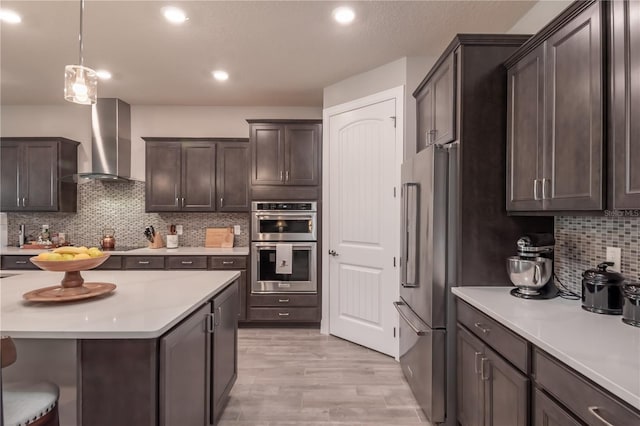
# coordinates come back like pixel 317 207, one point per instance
pixel 455 232
pixel 283 221
pixel 265 278
pixel 531 270
pixel 288 226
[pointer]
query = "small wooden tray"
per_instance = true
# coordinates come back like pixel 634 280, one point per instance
pixel 57 293
pixel 219 238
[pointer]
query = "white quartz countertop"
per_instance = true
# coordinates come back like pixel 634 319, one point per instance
pixel 145 304
pixel 600 347
pixel 180 251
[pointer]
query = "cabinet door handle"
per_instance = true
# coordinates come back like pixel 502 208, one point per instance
pixel 24 202
pixel 143 262
pixel 286 176
pixel 221 200
pixel 535 189
pixel 476 366
pixel 228 262
pixel 482 327
pixel 175 194
pixel 21 262
pixel 283 314
pixel 209 318
pixel 187 262
pixel 283 300
pixel 482 369
pixel 18 201
pixel 182 201
pixel 597 415
pixel 544 188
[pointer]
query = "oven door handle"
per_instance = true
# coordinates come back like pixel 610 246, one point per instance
pixel 271 246
pixel 414 322
pixel 280 216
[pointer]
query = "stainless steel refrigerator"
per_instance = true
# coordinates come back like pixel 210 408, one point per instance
pixel 428 201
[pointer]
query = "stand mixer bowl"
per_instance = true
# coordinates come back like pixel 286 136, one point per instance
pixel 529 275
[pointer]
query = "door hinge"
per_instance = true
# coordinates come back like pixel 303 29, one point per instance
pixel 394 332
pixel 394 192
pixel 394 261
pixel 394 120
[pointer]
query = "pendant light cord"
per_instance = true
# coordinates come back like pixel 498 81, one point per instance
pixel 80 37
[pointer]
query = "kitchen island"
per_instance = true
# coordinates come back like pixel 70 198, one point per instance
pixel 162 347
pixel 588 363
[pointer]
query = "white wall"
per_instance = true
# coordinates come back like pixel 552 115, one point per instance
pixel 538 16
pixel 74 122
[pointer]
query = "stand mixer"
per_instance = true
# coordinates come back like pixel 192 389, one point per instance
pixel 531 270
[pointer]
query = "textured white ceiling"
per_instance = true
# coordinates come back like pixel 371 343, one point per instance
pixel 276 52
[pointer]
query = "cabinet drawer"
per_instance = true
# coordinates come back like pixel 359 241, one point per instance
pixel 584 399
pixel 227 262
pixel 144 262
pixel 511 346
pixel 17 262
pixel 284 300
pixel 548 413
pixel 113 262
pixel 284 314
pixel 187 262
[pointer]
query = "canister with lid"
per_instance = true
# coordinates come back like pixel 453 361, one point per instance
pixel 602 290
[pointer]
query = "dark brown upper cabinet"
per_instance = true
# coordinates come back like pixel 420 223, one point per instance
pixel 181 175
pixel 436 106
pixel 285 152
pixel 556 115
pixel 525 137
pixel 37 174
pixel 233 177
pixel 624 129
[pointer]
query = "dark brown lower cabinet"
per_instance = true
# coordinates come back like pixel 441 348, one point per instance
pixel 470 405
pixel 183 359
pixel 490 390
pixel 182 378
pixel 224 365
pixel 506 392
pixel 548 413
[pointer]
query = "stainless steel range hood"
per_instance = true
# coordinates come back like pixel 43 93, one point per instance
pixel 110 141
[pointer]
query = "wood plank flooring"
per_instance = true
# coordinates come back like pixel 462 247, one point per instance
pixel 298 377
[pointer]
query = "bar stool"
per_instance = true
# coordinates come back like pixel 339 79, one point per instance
pixel 32 404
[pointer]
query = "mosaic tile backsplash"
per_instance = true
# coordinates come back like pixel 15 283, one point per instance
pixel 581 243
pixel 121 206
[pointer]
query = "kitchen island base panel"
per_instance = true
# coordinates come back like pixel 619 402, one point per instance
pixel 118 382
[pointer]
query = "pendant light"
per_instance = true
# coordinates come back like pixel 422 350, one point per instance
pixel 80 82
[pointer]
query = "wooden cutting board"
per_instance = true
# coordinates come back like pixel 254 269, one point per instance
pixel 219 238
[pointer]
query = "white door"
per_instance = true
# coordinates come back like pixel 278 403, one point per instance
pixel 364 226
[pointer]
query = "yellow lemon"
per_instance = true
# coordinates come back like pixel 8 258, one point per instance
pixel 55 256
pixel 81 256
pixel 67 256
pixel 83 249
pixel 43 256
pixel 94 252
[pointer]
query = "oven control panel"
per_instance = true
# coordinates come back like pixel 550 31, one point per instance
pixel 267 205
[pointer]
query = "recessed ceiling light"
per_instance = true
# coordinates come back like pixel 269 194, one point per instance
pixel 103 74
pixel 220 75
pixel 174 15
pixel 9 16
pixel 344 15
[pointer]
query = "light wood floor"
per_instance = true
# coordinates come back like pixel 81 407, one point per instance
pixel 299 377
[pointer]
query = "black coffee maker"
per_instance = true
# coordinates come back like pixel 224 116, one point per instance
pixel 531 271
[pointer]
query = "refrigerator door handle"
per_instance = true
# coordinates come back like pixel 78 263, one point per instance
pixel 412 320
pixel 411 219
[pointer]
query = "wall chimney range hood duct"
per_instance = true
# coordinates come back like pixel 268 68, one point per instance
pixel 110 141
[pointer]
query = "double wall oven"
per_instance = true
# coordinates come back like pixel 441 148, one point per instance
pixel 283 247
